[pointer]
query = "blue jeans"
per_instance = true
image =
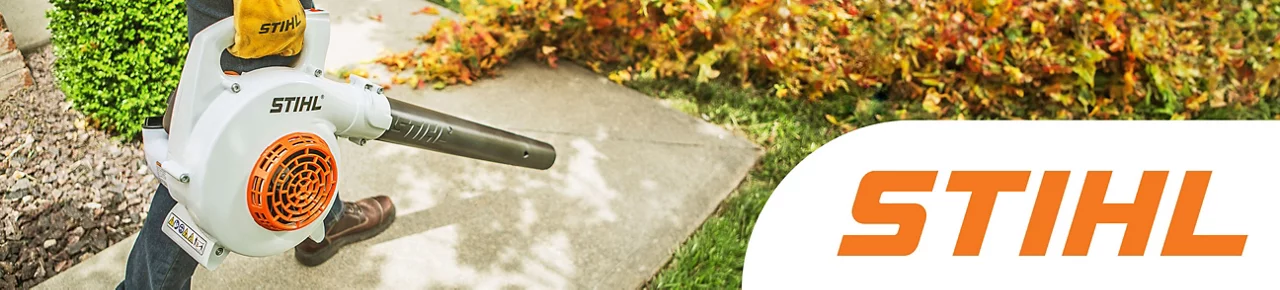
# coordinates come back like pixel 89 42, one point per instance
pixel 156 262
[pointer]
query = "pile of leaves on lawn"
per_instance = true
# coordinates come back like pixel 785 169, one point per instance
pixel 951 59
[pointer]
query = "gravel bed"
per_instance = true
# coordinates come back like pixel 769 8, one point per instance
pixel 67 191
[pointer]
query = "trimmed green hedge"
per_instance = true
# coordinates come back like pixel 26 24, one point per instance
pixel 118 60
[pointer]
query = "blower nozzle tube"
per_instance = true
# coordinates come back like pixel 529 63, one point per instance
pixel 423 128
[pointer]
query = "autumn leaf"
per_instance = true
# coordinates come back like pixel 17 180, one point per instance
pixel 832 119
pixel 704 63
pixel 601 22
pixel 1109 26
pixel 361 72
pixel 906 68
pixel 1270 72
pixel 706 73
pixel 931 101
pixel 488 38
pixel 932 83
pixel 1218 100
pixel 999 16
pixel 620 76
pixel 844 127
pixel 1015 74
pixel 1193 104
pixel 429 10
pixel 1130 82
pixel 553 61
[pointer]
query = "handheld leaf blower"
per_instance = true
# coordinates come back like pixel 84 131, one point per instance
pixel 252 159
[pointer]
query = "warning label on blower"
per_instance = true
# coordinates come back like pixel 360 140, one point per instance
pixel 186 232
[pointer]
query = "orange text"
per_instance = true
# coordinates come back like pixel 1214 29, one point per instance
pixel 983 186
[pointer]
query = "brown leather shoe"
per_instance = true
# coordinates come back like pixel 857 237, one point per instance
pixel 360 220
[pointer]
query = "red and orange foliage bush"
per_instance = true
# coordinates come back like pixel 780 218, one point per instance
pixel 1004 59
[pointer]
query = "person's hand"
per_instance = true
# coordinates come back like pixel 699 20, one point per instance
pixel 268 28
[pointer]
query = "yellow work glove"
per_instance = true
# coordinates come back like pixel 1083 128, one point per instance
pixel 268 27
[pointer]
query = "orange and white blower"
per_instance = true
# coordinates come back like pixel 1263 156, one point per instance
pixel 252 159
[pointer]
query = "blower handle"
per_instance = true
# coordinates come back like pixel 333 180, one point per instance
pixel 202 76
pixel 424 128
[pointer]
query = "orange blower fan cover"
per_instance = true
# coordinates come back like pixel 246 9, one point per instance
pixel 292 182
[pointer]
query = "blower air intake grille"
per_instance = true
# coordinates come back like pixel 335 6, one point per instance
pixel 292 182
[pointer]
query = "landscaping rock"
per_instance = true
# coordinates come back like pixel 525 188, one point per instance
pixel 66 191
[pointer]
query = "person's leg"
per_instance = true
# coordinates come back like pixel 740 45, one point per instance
pixel 356 221
pixel 156 262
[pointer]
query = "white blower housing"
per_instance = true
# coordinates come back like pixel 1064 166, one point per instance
pixel 252 159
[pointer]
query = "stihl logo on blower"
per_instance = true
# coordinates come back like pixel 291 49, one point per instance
pixel 257 182
pixel 295 104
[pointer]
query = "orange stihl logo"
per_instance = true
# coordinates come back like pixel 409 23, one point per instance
pixel 1139 216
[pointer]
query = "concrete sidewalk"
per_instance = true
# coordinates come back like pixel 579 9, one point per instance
pixel 633 179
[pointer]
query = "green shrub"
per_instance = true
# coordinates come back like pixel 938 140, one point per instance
pixel 118 60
